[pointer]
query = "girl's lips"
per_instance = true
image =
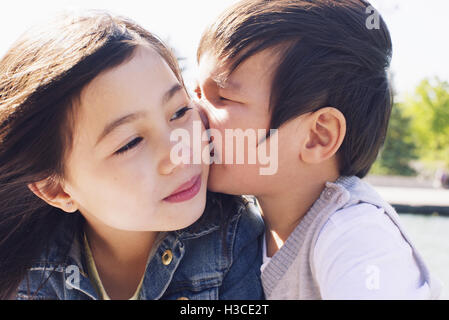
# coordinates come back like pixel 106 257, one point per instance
pixel 186 191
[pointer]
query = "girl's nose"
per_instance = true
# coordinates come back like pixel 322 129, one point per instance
pixel 174 156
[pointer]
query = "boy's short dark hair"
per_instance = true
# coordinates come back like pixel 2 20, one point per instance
pixel 330 56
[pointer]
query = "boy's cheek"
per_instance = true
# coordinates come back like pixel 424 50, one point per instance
pixel 239 179
pixel 228 179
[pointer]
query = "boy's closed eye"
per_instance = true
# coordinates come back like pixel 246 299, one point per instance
pixel 223 98
pixel 219 92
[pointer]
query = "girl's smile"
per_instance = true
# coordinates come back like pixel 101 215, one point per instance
pixel 186 191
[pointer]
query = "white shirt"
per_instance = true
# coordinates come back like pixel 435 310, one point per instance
pixel 361 254
pixel 266 259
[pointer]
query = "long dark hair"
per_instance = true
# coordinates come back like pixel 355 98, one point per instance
pixel 40 77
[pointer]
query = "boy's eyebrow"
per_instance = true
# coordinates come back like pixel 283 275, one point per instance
pixel 232 86
pixel 226 84
pixel 136 115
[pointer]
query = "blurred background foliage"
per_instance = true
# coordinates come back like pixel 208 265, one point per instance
pixel 418 133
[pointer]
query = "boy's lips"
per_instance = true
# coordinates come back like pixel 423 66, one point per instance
pixel 186 191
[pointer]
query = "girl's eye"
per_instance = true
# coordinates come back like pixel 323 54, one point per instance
pixel 180 113
pixel 129 146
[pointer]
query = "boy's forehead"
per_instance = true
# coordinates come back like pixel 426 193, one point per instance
pixel 213 69
pixel 221 78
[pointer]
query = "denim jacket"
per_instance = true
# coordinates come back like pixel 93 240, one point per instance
pixel 202 261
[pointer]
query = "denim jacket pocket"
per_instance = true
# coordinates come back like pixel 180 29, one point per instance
pixel 193 293
pixel 203 286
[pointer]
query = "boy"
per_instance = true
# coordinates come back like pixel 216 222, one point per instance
pixel 315 70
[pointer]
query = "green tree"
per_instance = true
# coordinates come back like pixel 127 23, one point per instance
pixel 399 148
pixel 428 110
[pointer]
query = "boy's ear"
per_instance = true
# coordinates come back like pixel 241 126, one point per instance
pixel 326 132
pixel 54 196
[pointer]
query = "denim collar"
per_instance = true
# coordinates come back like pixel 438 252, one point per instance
pixel 66 251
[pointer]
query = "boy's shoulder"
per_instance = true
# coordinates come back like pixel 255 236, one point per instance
pixel 358 220
pixel 356 202
pixel 358 191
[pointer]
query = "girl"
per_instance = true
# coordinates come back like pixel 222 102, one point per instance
pixel 92 207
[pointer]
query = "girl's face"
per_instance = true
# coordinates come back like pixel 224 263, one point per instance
pixel 119 172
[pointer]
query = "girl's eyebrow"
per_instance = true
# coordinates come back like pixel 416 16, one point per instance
pixel 136 115
pixel 171 92
pixel 118 122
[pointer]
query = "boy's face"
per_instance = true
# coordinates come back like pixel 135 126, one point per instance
pixel 242 102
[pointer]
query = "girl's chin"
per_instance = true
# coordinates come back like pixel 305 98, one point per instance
pixel 186 213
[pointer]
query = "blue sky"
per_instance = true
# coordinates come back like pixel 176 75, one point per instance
pixel 418 29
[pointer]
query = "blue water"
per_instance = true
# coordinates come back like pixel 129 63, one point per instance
pixel 430 235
